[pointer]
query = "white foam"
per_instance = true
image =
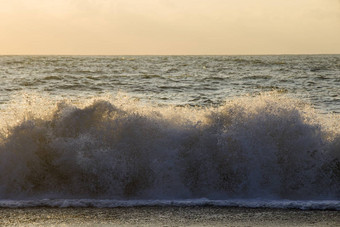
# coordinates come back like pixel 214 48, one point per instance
pixel 269 147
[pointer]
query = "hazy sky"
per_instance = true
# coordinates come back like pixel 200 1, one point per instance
pixel 120 27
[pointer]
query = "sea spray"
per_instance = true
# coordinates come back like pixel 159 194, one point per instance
pixel 269 146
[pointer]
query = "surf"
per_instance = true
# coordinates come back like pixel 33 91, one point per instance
pixel 268 146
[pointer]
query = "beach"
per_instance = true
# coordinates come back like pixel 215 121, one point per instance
pixel 167 216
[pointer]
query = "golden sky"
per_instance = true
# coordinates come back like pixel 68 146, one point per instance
pixel 162 27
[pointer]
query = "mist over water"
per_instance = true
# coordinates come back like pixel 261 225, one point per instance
pixel 77 142
pixel 267 146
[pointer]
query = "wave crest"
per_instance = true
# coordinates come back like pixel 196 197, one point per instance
pixel 268 146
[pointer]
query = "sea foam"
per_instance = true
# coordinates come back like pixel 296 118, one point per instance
pixel 265 147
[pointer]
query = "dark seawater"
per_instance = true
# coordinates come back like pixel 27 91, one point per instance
pixel 179 80
pixel 122 131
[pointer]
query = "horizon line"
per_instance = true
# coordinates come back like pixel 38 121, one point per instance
pixel 167 54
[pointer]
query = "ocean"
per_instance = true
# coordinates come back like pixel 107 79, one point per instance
pixel 249 133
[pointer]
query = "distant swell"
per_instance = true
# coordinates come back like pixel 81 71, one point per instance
pixel 267 147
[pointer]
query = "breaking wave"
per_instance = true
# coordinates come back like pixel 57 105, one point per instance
pixel 269 147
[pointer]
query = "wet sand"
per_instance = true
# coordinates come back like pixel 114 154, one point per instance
pixel 166 216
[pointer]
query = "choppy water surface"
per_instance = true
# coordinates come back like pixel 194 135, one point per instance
pixel 110 130
pixel 181 80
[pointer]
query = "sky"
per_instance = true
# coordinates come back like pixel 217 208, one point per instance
pixel 169 27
